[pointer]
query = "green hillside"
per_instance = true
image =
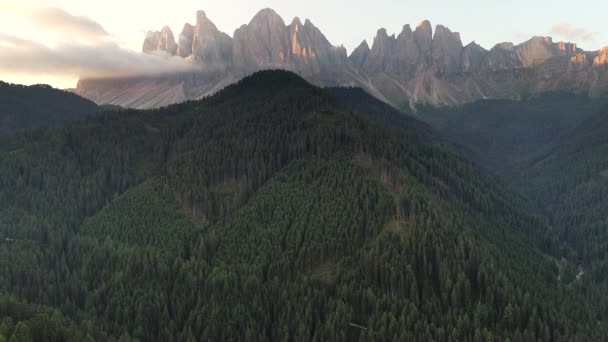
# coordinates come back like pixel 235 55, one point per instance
pixel 271 211
pixel 39 105
pixel 502 133
pixel 570 182
pixel 553 149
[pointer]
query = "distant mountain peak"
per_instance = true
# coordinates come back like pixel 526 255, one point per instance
pixel 267 15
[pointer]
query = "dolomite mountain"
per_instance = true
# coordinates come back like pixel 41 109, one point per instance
pixel 415 67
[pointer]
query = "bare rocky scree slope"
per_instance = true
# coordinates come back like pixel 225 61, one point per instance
pixel 413 68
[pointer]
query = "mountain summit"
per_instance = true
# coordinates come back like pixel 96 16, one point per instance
pixel 419 66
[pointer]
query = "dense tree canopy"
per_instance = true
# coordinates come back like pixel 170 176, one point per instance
pixel 24 107
pixel 271 211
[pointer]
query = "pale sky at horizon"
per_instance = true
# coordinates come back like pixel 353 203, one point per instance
pixel 123 25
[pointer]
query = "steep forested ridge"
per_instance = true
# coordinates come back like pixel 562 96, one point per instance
pixel 270 211
pixel 570 183
pixel 39 105
pixel 554 150
pixel 503 133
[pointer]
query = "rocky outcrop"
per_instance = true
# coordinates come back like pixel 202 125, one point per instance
pixel 160 41
pixel 359 55
pixel 502 57
pixel 209 45
pixel 423 35
pixel 262 43
pixel 473 56
pixel 419 66
pixel 447 51
pixel 381 53
pixel 540 49
pixel 601 58
pixel 186 39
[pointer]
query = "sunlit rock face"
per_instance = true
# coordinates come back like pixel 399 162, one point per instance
pixel 267 42
pixel 209 45
pixel 416 66
pixel 186 38
pixel 160 41
pixel 447 51
pixel 602 57
pixel 261 43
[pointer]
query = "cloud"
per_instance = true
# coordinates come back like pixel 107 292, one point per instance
pixel 101 60
pixel 571 32
pixel 87 51
pixel 62 21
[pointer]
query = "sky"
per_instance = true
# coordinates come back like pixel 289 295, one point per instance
pixel 58 41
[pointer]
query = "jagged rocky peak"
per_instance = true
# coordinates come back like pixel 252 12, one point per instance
pixel 296 22
pixel 209 45
pixel 536 50
pixel 267 18
pixel 473 56
pixel 406 32
pixel 151 41
pixel 261 43
pixel 310 51
pixel 162 40
pixel 423 35
pixel 502 56
pixel 360 54
pixel 447 50
pixel 382 42
pixel 381 52
pixel 539 49
pixel 308 37
pixel 602 57
pixel 406 53
pixel 568 48
pixel 167 41
pixel 186 38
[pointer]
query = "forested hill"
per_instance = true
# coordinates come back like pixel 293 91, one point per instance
pixel 38 105
pixel 570 182
pixel 553 149
pixel 270 211
pixel 500 134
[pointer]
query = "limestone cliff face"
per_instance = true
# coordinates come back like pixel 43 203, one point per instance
pixel 419 66
pixel 423 35
pixel 267 42
pixel 209 45
pixel 261 43
pixel 473 57
pixel 186 39
pixel 310 53
pixel 160 41
pixel 539 49
pixel 359 55
pixel 502 57
pixel 447 51
pixel 602 57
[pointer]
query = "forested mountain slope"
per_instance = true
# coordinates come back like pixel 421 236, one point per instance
pixel 38 105
pixel 570 182
pixel 553 149
pixel 270 211
pixel 502 133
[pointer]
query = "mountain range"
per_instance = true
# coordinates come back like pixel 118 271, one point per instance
pixel 416 67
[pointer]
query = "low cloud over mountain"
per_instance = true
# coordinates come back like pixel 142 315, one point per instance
pixel 88 51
